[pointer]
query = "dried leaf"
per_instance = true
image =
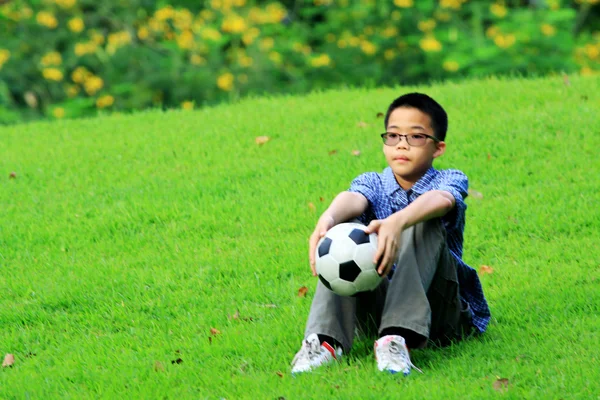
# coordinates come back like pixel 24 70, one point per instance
pixel 566 80
pixel 9 360
pixel 158 367
pixel 177 361
pixel 362 124
pixel 215 331
pixel 356 153
pixel 486 269
pixel 13 175
pixel 236 315
pixel 302 291
pixel 321 199
pixel 312 207
pixel 279 374
pixel 489 156
pixel 332 152
pixel 501 384
pixel 260 140
pixel 380 115
pixel 475 194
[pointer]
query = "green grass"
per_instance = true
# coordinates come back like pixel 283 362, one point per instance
pixel 125 239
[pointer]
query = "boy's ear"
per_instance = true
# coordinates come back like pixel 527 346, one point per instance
pixel 440 149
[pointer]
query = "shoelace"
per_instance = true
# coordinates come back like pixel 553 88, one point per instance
pixel 402 353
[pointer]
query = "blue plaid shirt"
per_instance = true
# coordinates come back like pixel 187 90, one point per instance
pixel 386 197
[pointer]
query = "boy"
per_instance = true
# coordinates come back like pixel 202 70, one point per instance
pixel 419 216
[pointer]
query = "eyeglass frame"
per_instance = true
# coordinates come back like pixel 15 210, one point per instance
pixel 406 138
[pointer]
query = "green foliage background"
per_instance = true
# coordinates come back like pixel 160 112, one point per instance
pixel 69 58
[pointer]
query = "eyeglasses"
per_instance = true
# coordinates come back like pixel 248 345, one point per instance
pixel 413 139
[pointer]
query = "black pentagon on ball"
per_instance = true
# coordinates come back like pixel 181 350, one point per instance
pixel 324 247
pixel 324 282
pixel 359 236
pixel 349 271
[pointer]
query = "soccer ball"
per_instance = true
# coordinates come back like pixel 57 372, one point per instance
pixel 344 259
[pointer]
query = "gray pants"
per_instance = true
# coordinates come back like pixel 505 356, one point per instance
pixel 422 296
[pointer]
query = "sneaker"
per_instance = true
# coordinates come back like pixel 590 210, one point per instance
pixel 392 355
pixel 314 354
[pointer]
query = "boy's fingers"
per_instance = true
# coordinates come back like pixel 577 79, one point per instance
pixel 373 226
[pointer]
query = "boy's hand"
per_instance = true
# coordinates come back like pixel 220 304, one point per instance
pixel 388 242
pixel 325 223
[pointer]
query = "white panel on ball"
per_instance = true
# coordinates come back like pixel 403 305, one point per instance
pixel 343 288
pixel 328 268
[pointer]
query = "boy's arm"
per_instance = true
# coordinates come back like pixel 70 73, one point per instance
pixel 346 206
pixel 429 205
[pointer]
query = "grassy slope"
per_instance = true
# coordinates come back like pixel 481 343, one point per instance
pixel 125 239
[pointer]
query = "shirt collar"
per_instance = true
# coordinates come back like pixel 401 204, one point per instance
pixel 421 186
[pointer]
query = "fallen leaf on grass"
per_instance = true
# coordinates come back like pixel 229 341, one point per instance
pixel 379 115
pixel 501 384
pixel 9 360
pixel 356 153
pixel 13 175
pixel 489 156
pixel 362 124
pixel 215 331
pixel 312 207
pixel 475 194
pixel 486 269
pixel 260 140
pixel 279 374
pixel 302 291
pixel 178 361
pixel 158 367
pixel 321 199
pixel 332 152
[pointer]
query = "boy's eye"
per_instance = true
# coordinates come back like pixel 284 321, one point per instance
pixel 418 137
pixel 392 136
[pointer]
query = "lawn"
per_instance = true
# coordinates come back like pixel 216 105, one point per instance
pixel 160 255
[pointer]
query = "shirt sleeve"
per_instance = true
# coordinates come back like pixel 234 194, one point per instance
pixel 369 185
pixel 456 183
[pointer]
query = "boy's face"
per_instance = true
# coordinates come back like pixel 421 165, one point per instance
pixel 410 163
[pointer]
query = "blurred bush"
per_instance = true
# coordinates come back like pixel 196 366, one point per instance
pixel 70 58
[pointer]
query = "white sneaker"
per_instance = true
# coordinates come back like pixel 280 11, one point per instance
pixel 392 355
pixel 314 354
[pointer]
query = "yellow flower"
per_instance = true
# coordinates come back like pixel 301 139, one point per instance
pixel 275 13
pixel 195 59
pixel 80 74
pixel 499 10
pixel 322 60
pixel 52 74
pixel 426 26
pixel 105 101
pixel 443 15
pixel 342 43
pixel 210 34
pixel 249 36
pixel 587 71
pixel 162 14
pixel 389 54
pixel 4 56
pixel 82 49
pixel 97 37
pixel 233 24
pixel 368 48
pixel 266 43
pixel 46 19
pixel 505 41
pixel 187 105
pixel 492 31
pixel 239 3
pixel 93 84
pixel 450 65
pixel 225 81
pixel 455 4
pixel 548 30
pixel 143 33
pixel 185 40
pixel 389 32
pixel 275 57
pixel 117 40
pixel 52 58
pixel 430 44
pixel 58 112
pixel 246 61
pixel 403 3
pixel 65 3
pixel 72 90
pixel 76 24
pixel 592 51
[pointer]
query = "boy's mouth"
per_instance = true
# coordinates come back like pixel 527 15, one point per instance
pixel 400 158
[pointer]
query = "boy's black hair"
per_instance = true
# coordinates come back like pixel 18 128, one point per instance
pixel 425 104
